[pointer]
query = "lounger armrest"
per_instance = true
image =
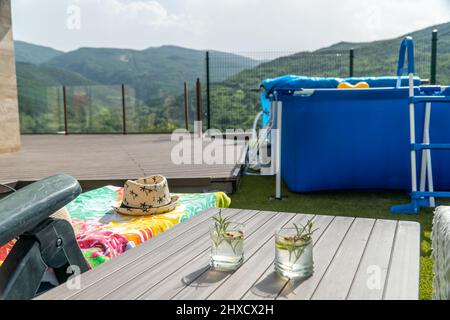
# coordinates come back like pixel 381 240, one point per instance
pixel 23 210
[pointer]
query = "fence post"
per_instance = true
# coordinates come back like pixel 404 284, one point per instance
pixel 124 121
pixel 352 61
pixel 198 89
pixel 66 128
pixel 434 40
pixel 208 99
pixel 186 105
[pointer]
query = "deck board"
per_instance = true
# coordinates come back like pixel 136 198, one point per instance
pixel 324 251
pixel 338 279
pixel 174 265
pixel 403 267
pixel 105 158
pixel 371 275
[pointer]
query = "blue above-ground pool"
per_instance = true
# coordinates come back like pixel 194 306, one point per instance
pixel 354 139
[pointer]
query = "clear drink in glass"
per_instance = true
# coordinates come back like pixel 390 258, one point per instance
pixel 227 246
pixel 293 254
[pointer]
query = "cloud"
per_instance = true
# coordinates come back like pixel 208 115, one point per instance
pixel 148 12
pixel 386 19
pixel 236 25
pixel 267 25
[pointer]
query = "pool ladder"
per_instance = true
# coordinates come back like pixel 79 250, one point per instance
pixel 424 195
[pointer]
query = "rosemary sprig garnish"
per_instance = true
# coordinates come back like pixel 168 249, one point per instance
pixel 297 243
pixel 222 233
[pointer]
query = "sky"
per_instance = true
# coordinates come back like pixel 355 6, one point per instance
pixel 227 25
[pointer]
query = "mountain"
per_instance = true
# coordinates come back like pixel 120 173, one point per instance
pixel 116 66
pixel 31 53
pixel 160 68
pixel 38 75
pixel 154 72
pixel 153 77
pixel 420 36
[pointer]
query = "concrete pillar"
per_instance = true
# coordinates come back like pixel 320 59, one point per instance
pixel 9 107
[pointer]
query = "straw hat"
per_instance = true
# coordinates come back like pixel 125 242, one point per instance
pixel 147 196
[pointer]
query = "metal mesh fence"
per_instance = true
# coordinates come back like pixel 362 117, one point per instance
pixel 234 95
pixel 443 58
pixel 235 100
pixel 381 58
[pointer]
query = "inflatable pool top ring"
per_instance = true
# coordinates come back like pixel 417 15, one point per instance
pixel 359 85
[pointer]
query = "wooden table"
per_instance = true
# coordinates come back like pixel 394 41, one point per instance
pixel 354 258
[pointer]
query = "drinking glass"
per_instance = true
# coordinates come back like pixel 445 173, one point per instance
pixel 227 246
pixel 293 255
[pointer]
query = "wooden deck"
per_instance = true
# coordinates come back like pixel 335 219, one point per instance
pixel 97 160
pixel 354 258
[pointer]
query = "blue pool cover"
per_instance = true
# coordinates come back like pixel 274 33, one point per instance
pixel 292 82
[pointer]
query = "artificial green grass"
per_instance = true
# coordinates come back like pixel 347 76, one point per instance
pixel 254 193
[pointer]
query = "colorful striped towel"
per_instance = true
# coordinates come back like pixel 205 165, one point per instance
pixel 103 234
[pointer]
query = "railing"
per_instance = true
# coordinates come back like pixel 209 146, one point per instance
pixel 234 97
pixel 229 96
pixel 98 109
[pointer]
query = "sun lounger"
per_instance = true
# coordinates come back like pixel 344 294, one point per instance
pixel 43 242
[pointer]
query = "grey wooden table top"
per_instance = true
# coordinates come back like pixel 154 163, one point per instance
pixel 354 258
